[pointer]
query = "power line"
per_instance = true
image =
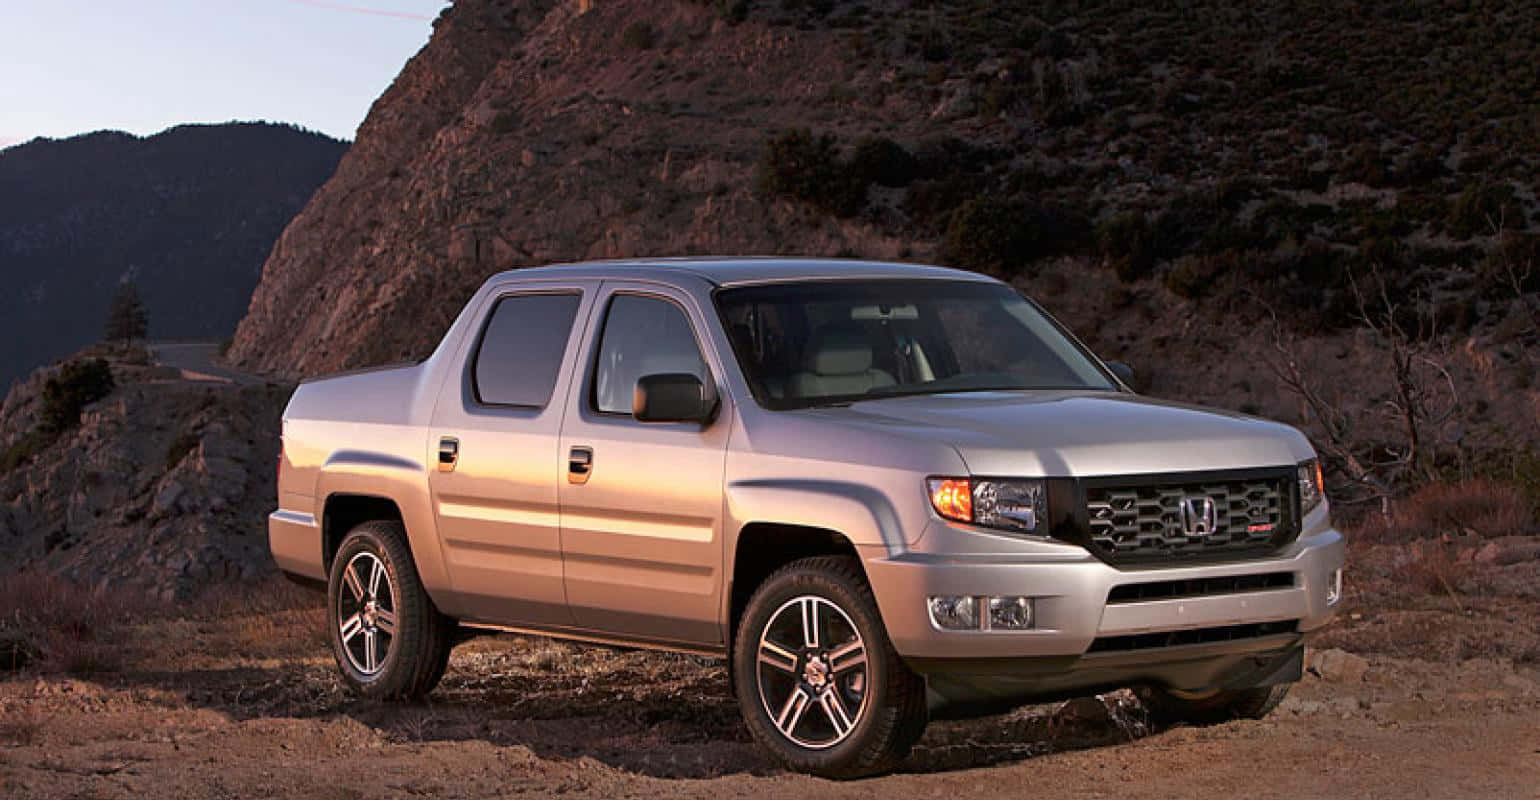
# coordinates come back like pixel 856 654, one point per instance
pixel 377 12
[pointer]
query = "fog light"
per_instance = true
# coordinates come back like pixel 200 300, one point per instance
pixel 1010 613
pixel 955 612
pixel 1334 588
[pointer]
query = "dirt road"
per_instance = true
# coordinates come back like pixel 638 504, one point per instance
pixel 231 705
pixel 197 361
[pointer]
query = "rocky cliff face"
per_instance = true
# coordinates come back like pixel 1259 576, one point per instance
pixel 1169 180
pixel 1265 145
pixel 161 488
pixel 533 132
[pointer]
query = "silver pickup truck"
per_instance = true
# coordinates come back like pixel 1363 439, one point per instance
pixel 882 492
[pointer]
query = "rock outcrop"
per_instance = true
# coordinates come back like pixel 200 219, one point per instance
pixel 162 488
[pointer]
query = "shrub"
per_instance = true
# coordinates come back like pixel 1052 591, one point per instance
pixel 1186 221
pixel 1127 243
pixel 505 122
pixel 1365 164
pixel 808 167
pixel 1513 265
pixel 22 450
pixel 995 234
pixel 1192 276
pixel 930 203
pixel 882 161
pixel 1318 266
pixel 639 36
pixel 1419 166
pixel 1281 218
pixel 1487 507
pixel 54 624
pixel 1482 209
pixel 1205 274
pixel 948 156
pixel 1434 567
pixel 78 384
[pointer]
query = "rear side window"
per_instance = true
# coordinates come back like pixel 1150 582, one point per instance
pixel 521 349
pixel 642 336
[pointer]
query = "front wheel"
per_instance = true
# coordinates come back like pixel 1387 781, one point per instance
pixel 389 639
pixel 819 683
pixel 1168 706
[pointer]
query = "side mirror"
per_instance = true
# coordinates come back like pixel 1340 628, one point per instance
pixel 1124 372
pixel 673 397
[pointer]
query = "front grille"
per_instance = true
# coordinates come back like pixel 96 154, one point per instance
pixel 1199 587
pixel 1140 518
pixel 1225 633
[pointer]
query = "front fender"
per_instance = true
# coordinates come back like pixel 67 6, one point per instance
pixel 861 513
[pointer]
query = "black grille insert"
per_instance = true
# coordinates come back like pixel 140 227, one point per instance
pixel 1199 587
pixel 1226 633
pixel 1141 518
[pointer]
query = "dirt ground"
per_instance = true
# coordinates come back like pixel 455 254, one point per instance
pixel 1441 699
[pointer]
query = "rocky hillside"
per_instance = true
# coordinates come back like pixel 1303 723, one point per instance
pixel 188 214
pixel 1172 179
pixel 159 487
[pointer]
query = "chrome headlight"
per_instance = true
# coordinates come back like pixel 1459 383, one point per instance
pixel 1015 505
pixel 1312 485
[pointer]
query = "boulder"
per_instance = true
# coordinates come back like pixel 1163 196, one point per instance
pixel 1338 666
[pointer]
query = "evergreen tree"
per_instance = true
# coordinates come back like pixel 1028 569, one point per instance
pixel 126 317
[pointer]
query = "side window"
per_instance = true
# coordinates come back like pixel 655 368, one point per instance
pixel 521 349
pixel 642 336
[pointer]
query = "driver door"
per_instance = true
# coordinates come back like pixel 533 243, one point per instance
pixel 641 503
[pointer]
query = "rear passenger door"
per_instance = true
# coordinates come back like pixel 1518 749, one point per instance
pixel 495 438
pixel 642 502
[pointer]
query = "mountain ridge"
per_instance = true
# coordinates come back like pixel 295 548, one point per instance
pixel 189 214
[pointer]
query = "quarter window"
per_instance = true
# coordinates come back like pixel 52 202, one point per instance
pixel 642 336
pixel 521 349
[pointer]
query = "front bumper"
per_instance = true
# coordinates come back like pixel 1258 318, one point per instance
pixel 1071 588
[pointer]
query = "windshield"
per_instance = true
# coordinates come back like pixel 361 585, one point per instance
pixel 834 342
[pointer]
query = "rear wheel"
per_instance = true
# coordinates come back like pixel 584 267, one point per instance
pixel 819 683
pixel 1206 708
pixel 389 640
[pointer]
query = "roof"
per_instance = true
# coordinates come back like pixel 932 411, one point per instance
pixel 739 270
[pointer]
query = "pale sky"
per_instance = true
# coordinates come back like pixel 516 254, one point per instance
pixel 72 66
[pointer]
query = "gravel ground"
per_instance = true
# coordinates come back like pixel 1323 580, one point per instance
pixel 1427 686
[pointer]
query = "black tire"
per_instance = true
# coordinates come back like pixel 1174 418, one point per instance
pixel 891 711
pixel 1169 708
pixel 417 652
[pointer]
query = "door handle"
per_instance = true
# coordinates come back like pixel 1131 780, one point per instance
pixel 448 453
pixel 580 463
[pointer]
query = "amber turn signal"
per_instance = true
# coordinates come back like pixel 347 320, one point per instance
pixel 952 498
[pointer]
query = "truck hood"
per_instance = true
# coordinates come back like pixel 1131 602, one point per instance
pixel 1073 433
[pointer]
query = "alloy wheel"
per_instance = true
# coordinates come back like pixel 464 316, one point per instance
pixel 812 672
pixel 366 613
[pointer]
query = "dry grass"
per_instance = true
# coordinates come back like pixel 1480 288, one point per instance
pixel 19 728
pixel 1436 569
pixel 1446 510
pixel 272 617
pixel 53 624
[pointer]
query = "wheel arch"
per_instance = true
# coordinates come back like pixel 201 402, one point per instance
pixel 764 547
pixel 777 521
pixel 357 487
pixel 343 512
